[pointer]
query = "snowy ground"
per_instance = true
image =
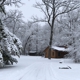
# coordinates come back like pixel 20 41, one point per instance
pixel 39 68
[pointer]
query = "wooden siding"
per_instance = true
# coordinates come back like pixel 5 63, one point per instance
pixel 54 53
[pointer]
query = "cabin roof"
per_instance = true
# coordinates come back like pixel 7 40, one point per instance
pixel 32 52
pixel 60 48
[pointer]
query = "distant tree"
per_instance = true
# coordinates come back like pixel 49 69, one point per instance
pixel 13 20
pixel 39 38
pixel 27 37
pixel 35 38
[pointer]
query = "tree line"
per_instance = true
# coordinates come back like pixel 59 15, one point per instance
pixel 61 28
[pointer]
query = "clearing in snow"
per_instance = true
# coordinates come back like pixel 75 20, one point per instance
pixel 39 68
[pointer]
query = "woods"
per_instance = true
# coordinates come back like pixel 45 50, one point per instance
pixel 53 9
pixel 19 37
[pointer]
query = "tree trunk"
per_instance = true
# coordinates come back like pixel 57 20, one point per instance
pixel 51 34
pixel 50 43
pixel 24 49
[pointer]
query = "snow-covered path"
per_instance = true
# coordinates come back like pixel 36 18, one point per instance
pixel 39 71
pixel 39 68
pixel 36 71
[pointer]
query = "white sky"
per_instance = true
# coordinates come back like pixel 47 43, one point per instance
pixel 27 9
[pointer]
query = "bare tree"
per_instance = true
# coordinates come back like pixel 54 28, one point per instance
pixel 3 3
pixel 37 31
pixel 27 38
pixel 53 9
pixel 24 47
pixel 13 20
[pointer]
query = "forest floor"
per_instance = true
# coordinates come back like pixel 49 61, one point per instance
pixel 39 68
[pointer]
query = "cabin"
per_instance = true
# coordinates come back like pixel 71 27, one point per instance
pixel 32 53
pixel 56 52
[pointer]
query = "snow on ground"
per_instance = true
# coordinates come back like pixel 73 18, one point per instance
pixel 39 68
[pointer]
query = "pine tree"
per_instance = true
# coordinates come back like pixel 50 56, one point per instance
pixel 9 43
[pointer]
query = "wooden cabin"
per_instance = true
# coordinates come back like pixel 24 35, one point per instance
pixel 56 52
pixel 32 53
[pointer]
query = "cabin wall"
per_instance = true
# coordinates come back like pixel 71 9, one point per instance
pixel 54 53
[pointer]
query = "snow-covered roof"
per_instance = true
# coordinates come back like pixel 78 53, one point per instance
pixel 32 51
pixel 60 48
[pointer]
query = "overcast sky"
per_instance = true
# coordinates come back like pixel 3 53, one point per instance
pixel 27 9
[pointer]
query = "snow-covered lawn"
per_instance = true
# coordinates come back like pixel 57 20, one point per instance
pixel 39 68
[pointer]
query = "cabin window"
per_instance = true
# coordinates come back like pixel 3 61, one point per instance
pixel 53 53
pixel 59 54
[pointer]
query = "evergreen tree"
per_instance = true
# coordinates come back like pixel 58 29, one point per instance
pixel 9 43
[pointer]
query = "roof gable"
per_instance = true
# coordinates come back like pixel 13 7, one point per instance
pixel 60 48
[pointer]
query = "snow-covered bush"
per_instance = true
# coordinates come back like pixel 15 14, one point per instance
pixel 9 44
pixel 67 33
